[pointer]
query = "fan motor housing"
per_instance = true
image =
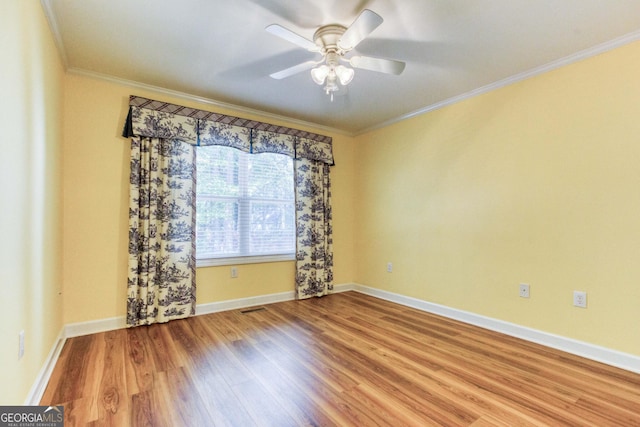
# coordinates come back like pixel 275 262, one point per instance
pixel 327 36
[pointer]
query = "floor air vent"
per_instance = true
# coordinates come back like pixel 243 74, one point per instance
pixel 251 310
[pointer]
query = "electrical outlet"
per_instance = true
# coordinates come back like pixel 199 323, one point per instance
pixel 234 272
pixel 20 344
pixel 524 290
pixel 580 299
pixel 389 267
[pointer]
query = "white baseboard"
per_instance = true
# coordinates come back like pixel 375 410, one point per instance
pixel 103 325
pixel 94 326
pixel 344 287
pixel 214 307
pixel 113 323
pixel 605 355
pixel 40 385
pixel 234 304
pixel 70 330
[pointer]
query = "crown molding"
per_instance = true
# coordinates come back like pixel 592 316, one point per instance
pixel 578 56
pixel 55 31
pixel 204 100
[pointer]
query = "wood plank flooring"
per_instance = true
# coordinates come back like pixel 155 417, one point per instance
pixel 344 360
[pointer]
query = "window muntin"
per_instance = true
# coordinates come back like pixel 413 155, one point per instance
pixel 245 206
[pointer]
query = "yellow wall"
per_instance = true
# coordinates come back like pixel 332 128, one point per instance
pixel 96 208
pixel 537 182
pixel 30 195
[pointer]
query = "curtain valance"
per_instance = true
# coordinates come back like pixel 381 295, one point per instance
pixel 158 119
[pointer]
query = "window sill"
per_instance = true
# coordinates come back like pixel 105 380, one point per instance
pixel 212 262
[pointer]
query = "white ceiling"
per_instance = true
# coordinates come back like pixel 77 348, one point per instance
pixel 219 50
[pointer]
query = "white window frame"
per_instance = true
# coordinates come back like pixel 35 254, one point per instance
pixel 244 201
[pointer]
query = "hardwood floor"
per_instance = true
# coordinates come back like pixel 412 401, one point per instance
pixel 344 360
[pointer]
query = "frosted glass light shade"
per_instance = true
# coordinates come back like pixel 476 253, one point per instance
pixel 319 74
pixel 345 74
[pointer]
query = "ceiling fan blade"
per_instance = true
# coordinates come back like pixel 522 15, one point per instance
pixel 290 36
pixel 388 66
pixel 293 70
pixel 364 24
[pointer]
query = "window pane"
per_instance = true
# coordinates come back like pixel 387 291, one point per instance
pixel 270 176
pixel 245 203
pixel 272 227
pixel 218 171
pixel 217 228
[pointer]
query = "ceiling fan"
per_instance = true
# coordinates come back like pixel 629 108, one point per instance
pixel 333 42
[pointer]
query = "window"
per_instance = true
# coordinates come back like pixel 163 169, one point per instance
pixel 245 206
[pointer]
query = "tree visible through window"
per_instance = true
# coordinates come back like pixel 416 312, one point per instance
pixel 245 204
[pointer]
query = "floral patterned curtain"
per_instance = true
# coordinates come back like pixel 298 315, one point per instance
pixel 161 282
pixel 314 241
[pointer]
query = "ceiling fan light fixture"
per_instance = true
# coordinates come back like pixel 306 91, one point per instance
pixel 334 42
pixel 319 74
pixel 345 74
pixel 332 85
